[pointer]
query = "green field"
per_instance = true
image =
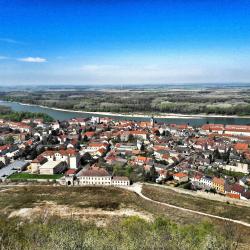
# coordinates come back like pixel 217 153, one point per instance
pixel 27 176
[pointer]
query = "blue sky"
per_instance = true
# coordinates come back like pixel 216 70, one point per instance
pixel 114 42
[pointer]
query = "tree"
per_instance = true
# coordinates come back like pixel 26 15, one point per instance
pixel 9 140
pixel 130 138
pixel 86 158
pixel 157 133
pixel 129 170
pixel 216 154
pixel 153 174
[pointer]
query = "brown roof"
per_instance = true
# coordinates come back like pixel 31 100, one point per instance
pixel 62 152
pixel 238 188
pixel 95 171
pixel 39 159
pixel 219 181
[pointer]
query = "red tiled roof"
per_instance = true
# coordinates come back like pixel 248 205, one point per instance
pixel 97 144
pixel 180 175
pixel 219 181
pixel 89 134
pixel 70 172
pixel 234 196
pixel 241 146
pixel 213 127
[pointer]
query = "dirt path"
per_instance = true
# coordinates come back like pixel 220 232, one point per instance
pixel 137 188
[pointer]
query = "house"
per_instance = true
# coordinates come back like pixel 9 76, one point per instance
pixel 38 121
pixel 213 128
pixel 218 184
pixel 89 134
pixel 70 172
pixel 70 156
pixel 125 147
pixel 36 163
pixel 99 176
pixel 180 177
pixel 142 160
pixel 138 134
pixel 95 146
pixel 78 121
pixel 53 167
pixel 235 189
pixel 241 147
pixel 55 125
pixel 242 130
pixel 245 181
pixel 206 182
pixel 238 167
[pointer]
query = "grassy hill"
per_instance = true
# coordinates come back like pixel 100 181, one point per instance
pixel 47 217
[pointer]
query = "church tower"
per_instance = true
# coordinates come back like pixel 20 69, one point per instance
pixel 152 121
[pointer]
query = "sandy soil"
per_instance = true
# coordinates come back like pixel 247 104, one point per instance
pixel 99 216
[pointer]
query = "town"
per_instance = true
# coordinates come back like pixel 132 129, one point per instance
pixel 100 151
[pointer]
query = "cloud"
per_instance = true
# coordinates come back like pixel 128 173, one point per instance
pixel 33 59
pixel 3 57
pixel 10 40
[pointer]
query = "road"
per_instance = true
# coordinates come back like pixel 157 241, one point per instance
pixel 137 188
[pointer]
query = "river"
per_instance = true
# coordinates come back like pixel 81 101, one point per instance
pixel 64 115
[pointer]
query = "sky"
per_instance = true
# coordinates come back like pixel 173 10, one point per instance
pixel 123 42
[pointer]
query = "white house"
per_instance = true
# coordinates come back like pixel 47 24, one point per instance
pixel 98 176
pixel 239 167
pixel 70 156
pixel 206 181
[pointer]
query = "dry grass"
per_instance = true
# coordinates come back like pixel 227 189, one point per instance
pixel 218 208
pixel 101 205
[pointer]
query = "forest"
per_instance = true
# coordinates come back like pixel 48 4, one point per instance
pixel 210 101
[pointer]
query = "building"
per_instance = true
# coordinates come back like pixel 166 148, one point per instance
pixel 241 130
pixel 238 167
pixel 97 176
pixel 70 156
pixel 213 128
pixel 16 166
pixel 180 177
pixel 120 181
pixel 53 167
pixel 218 184
pixel 206 182
pixel 37 163
pixel 241 147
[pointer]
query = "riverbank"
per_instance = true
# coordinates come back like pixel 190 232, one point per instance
pixel 139 115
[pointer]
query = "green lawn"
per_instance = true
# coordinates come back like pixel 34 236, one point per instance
pixel 23 176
